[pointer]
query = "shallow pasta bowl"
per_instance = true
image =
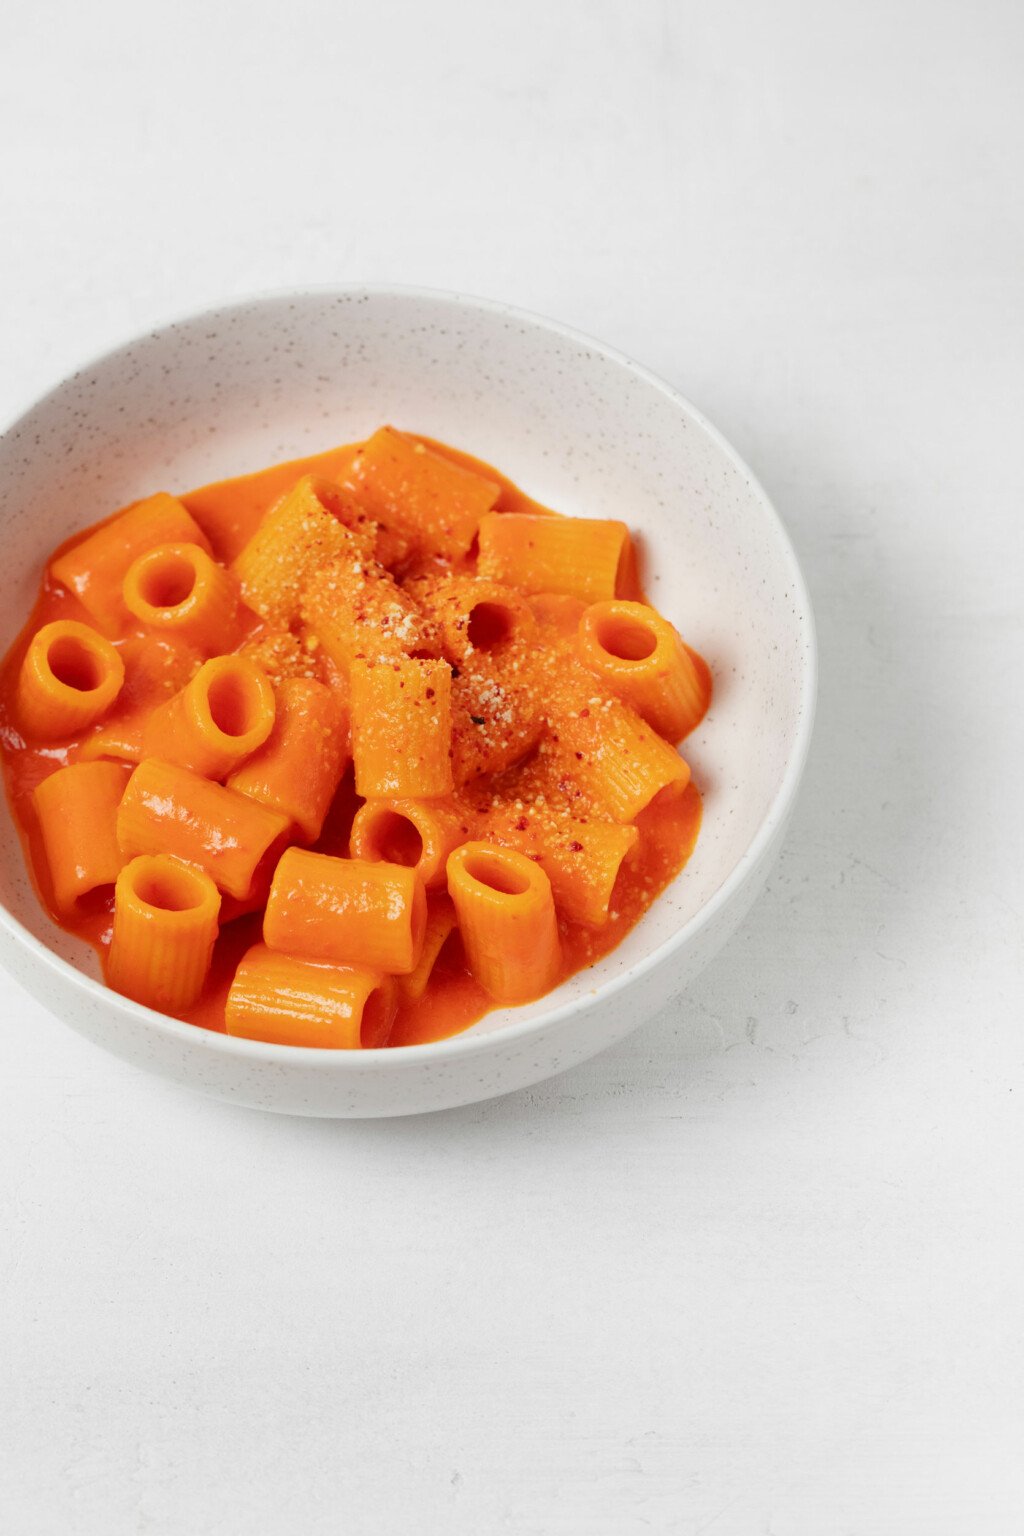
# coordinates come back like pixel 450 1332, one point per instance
pixel 577 426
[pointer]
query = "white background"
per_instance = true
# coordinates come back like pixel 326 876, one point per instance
pixel 759 1269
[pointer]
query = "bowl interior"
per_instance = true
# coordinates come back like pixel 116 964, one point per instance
pixel 575 426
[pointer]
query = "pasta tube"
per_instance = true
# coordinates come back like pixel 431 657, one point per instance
pixel 120 738
pixel 297 769
pixel 506 915
pixel 178 589
pixel 95 568
pixel 434 502
pixel 402 728
pixel 312 525
pixel 475 618
pixel 581 858
pixel 285 1000
pixel 167 809
pixel 355 611
pixel 582 556
pixel 600 752
pixel 419 834
pixel 69 678
pixel 641 658
pixel 165 924
pixel 216 721
pixel 77 812
pixel 346 911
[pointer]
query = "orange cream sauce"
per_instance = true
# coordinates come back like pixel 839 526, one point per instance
pixel 229 513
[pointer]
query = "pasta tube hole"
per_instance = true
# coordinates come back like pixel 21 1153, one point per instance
pixel 236 702
pixel 329 495
pixel 396 839
pixel 168 581
pixel 496 872
pixel 375 1025
pixel 627 576
pixel 169 888
pixel 624 637
pixel 490 625
pixel 94 903
pixel 75 664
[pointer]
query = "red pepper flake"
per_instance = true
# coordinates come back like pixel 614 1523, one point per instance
pixel 522 824
pixel 575 847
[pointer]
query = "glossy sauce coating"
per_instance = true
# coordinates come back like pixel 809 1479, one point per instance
pixel 158 665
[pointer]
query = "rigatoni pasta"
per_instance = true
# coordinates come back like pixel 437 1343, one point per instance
pixel 506 915
pixel 307 529
pixel 94 569
pixel 344 753
pixel 418 833
pixel 279 654
pixel 217 720
pixel 76 809
pixel 402 728
pixel 346 910
pixel 498 717
pixel 434 502
pixel 620 762
pixel 180 589
pixel 297 769
pixel 640 657
pixel 583 557
pixel 290 1001
pixel 475 618
pixel 354 610
pixel 69 678
pixel 165 925
pixel 121 739
pixel 167 809
pixel 581 854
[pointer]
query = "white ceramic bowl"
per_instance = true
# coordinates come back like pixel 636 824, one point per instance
pixel 579 427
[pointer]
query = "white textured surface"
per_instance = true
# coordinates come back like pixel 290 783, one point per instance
pixel 758 1270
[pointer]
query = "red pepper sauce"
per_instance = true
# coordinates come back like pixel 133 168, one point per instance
pixel 156 667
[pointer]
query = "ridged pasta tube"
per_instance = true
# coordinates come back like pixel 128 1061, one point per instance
pixel 506 916
pixel 216 721
pixel 640 657
pixel 165 925
pixel 285 1000
pixel 69 678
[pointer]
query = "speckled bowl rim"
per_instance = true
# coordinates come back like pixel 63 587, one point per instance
pixel 467 1044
